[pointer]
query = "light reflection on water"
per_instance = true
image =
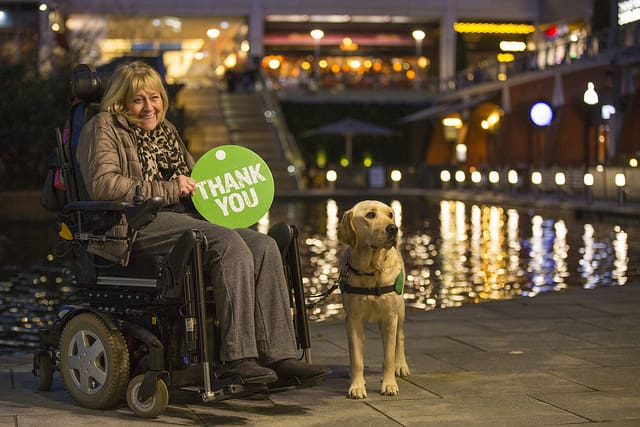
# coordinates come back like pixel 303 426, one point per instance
pixel 455 253
pixel 473 253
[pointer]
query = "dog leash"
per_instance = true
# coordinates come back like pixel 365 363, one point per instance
pixel 322 296
pixel 345 268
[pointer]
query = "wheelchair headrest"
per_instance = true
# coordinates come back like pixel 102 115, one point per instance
pixel 87 84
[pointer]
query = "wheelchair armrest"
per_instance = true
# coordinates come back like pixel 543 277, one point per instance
pixel 93 206
pixel 139 214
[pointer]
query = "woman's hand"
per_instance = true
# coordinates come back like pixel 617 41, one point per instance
pixel 186 185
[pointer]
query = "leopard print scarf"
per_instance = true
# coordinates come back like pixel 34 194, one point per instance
pixel 159 153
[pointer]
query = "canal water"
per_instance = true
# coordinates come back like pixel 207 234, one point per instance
pixel 455 253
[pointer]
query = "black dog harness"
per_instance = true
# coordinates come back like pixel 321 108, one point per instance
pixel 345 287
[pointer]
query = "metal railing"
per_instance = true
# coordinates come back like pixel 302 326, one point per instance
pixel 277 119
pixel 562 51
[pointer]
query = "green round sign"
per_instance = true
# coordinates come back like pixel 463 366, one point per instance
pixel 234 186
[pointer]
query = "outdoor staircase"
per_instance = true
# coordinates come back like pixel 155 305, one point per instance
pixel 215 118
pixel 205 127
pixel 244 116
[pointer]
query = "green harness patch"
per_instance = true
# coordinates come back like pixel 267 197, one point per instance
pixel 400 283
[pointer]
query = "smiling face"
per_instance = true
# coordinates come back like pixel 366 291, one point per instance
pixel 146 108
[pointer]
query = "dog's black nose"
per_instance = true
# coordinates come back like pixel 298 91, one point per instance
pixel 392 229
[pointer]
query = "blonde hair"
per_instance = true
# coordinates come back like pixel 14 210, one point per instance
pixel 126 82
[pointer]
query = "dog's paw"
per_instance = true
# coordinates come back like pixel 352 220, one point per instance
pixel 402 371
pixel 389 389
pixel 357 391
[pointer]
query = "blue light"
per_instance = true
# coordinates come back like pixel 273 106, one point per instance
pixel 541 114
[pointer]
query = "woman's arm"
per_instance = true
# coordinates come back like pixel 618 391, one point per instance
pixel 111 170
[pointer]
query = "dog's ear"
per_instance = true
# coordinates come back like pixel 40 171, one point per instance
pixel 346 230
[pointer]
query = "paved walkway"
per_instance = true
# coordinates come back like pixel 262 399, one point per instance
pixel 571 358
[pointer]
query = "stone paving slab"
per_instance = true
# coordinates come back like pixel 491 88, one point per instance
pixel 610 338
pixel 599 406
pixel 608 356
pixel 562 325
pixel 604 378
pixel 484 365
pixel 505 410
pixel 550 310
pixel 432 328
pixel 524 341
pixel 443 345
pixel 482 383
pixel 517 361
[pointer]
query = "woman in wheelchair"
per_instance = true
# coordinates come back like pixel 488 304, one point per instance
pixel 130 145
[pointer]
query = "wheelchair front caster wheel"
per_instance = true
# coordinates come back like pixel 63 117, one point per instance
pixel 153 406
pixel 44 370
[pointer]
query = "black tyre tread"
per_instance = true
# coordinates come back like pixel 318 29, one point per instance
pixel 114 390
pixel 161 396
pixel 45 371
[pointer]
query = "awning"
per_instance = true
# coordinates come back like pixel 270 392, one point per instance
pixel 438 110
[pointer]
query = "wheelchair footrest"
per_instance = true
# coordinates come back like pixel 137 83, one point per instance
pixel 295 383
pixel 231 388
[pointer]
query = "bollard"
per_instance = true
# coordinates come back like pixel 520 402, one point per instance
pixel 621 182
pixel 588 194
pixel 621 196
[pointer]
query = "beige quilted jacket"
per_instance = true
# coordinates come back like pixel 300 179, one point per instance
pixel 108 159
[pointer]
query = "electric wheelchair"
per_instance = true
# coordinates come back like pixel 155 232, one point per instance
pixel 148 327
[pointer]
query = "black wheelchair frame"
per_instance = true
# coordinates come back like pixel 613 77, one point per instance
pixel 148 327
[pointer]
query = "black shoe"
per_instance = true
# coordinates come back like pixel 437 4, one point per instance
pixel 292 372
pixel 248 371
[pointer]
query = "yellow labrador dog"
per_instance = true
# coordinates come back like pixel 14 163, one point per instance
pixel 371 280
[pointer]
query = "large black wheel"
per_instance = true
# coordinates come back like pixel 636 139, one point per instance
pixel 153 406
pixel 94 362
pixel 45 370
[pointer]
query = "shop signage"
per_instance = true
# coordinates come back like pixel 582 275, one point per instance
pixel 628 11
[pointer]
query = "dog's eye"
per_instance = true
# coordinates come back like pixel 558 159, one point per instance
pixel 370 215
pixel 391 215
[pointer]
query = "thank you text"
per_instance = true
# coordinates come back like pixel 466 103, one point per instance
pixel 234 186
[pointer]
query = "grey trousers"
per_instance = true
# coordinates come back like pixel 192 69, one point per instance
pixel 249 287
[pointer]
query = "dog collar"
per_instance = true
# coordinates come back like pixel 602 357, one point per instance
pixel 358 272
pixel 397 287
